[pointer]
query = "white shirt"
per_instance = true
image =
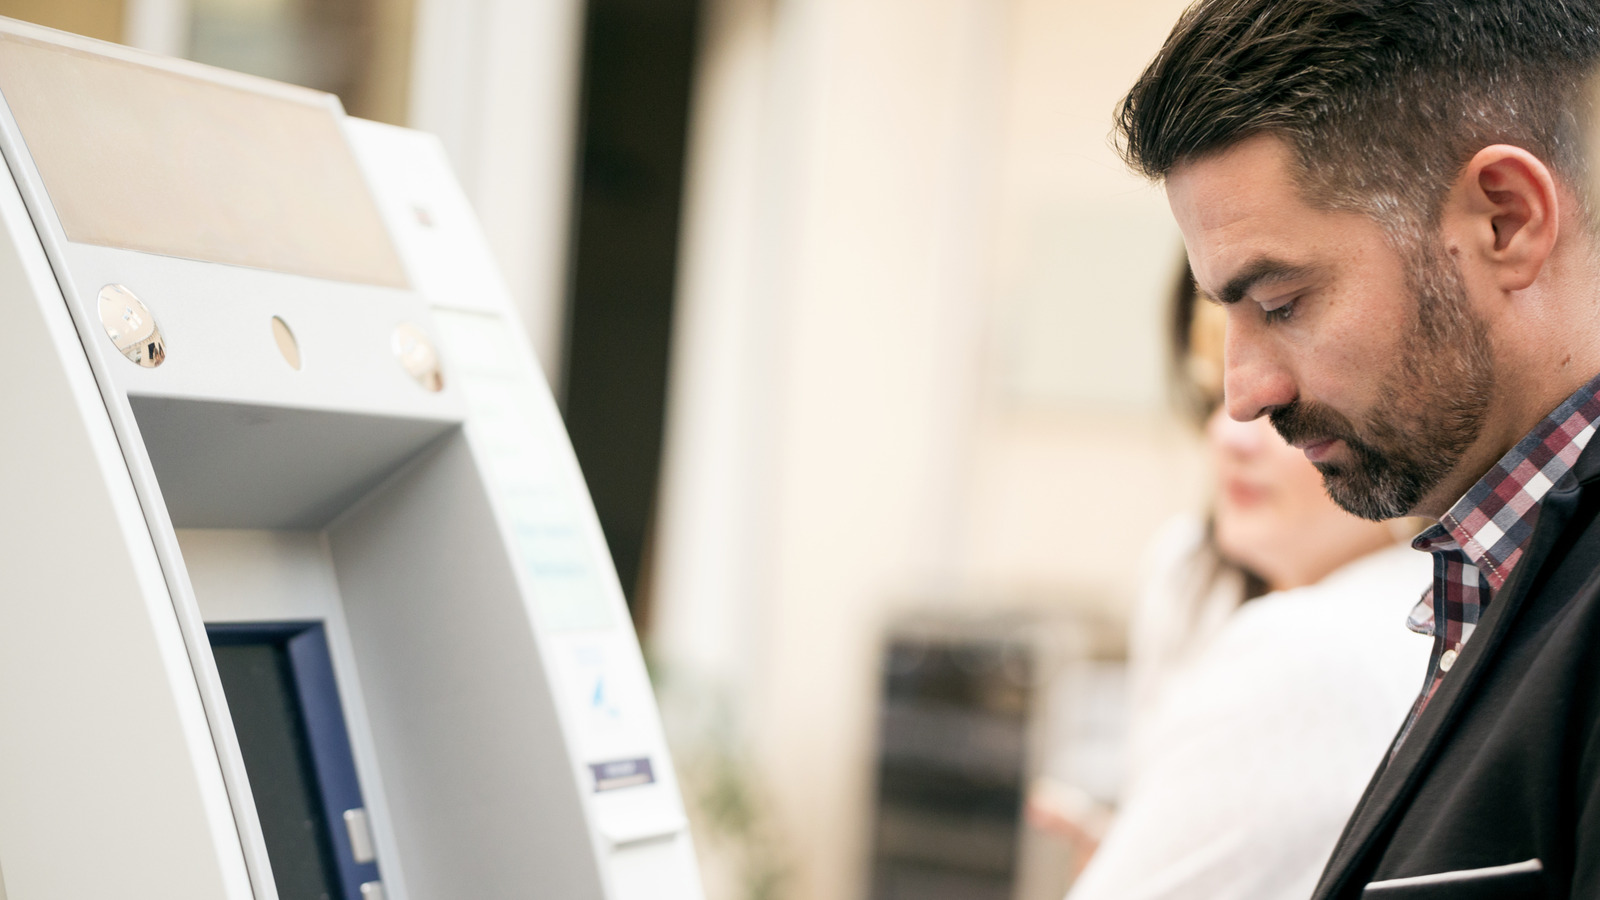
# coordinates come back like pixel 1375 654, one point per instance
pixel 1253 739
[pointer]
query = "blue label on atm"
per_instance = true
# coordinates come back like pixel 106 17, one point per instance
pixel 622 773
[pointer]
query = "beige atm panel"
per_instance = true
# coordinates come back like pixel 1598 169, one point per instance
pixel 305 596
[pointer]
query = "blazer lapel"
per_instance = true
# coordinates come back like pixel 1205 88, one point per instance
pixel 1391 788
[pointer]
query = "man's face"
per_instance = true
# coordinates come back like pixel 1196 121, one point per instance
pixel 1367 358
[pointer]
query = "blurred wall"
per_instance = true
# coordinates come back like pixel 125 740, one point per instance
pixel 497 81
pixel 1078 461
pixel 916 362
pixel 101 19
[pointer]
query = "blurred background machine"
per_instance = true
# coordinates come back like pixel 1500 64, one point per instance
pixel 306 596
pixel 974 711
pixel 952 767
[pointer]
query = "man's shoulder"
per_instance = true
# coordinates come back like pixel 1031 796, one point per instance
pixel 1520 700
pixel 1567 573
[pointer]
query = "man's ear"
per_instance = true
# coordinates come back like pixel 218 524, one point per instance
pixel 1503 215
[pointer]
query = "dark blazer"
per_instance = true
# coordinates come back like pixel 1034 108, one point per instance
pixel 1496 791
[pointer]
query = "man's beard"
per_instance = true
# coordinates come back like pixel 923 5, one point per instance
pixel 1431 404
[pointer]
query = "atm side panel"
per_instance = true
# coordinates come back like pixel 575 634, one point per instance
pixel 109 780
pixel 588 657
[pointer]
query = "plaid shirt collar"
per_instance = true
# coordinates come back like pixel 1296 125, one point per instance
pixel 1482 538
pixel 1488 528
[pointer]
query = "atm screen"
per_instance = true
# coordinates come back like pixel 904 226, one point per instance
pixel 278 681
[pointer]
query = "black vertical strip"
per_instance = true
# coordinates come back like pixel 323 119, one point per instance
pixel 284 702
pixel 637 72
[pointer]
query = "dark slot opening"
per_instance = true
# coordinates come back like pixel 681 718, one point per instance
pixel 272 737
pixel 278 678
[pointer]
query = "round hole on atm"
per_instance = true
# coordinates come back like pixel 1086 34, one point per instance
pixel 417 355
pixel 287 345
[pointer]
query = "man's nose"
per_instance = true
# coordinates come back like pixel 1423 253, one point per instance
pixel 1254 380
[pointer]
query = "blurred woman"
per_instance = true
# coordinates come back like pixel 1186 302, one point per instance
pixel 1270 667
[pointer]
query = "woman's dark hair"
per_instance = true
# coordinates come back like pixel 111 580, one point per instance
pixel 1196 402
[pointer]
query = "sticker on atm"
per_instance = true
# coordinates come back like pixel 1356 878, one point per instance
pixel 622 773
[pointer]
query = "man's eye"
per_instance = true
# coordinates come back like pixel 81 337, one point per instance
pixel 1280 313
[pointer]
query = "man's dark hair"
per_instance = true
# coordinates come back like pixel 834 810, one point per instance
pixel 1382 101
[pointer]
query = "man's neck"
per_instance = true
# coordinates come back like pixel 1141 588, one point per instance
pixel 1518 407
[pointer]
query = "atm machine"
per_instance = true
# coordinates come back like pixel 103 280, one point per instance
pixel 304 596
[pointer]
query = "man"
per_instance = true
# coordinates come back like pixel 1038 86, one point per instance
pixel 1391 199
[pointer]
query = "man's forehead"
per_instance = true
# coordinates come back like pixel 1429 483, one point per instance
pixel 1238 207
pixel 1212 182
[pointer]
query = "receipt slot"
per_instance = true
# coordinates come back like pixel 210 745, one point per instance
pixel 305 596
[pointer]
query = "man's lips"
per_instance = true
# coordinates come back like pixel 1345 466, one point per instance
pixel 1318 449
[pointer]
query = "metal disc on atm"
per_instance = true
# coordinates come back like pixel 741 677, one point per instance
pixel 131 327
pixel 417 354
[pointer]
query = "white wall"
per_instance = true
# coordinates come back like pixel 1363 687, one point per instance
pixel 879 343
pixel 917 359
pixel 497 81
pixel 1078 460
pixel 823 385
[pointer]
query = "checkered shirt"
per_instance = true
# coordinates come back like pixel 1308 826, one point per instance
pixel 1481 539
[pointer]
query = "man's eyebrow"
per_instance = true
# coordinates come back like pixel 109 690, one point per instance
pixel 1257 273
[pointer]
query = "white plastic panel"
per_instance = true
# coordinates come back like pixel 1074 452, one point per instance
pixel 106 748
pixel 549 516
pixel 220 345
pixel 655 870
pixel 589 652
pixel 467 732
pixel 235 465
pixel 444 251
